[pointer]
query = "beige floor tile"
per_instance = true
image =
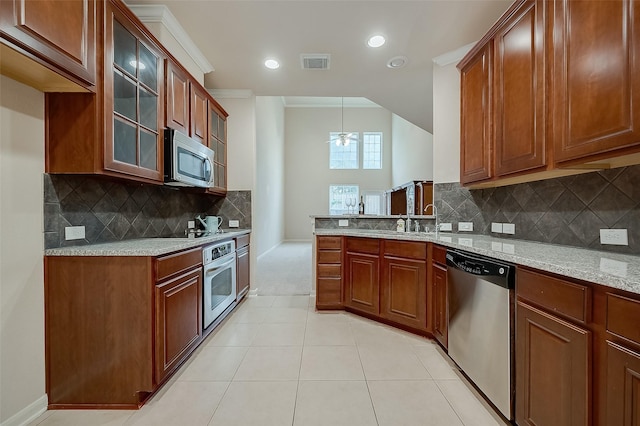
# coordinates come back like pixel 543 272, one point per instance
pixel 286 315
pixel 331 363
pixel 333 403
pixel 436 362
pixel 467 405
pixel 328 333
pixel 214 364
pixel 83 417
pixel 405 403
pixel 270 364
pixel 279 335
pixel 234 335
pixel 256 403
pixel 259 301
pixel 185 403
pixel 291 302
pixel 327 316
pixel 371 334
pixel 248 314
pixel 391 363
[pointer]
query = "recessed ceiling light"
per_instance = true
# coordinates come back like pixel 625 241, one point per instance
pixel 376 41
pixel 272 64
pixel 397 62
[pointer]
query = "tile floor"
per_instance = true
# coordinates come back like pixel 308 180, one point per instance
pixel 276 361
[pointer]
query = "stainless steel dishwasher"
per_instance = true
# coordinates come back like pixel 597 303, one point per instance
pixel 481 323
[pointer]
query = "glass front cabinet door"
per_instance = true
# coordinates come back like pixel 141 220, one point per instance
pixel 133 99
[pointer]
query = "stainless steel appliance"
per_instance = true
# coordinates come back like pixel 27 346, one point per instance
pixel 219 290
pixel 481 322
pixel 187 162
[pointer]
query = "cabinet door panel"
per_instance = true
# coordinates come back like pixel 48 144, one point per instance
pixel 519 88
pixel 177 98
pixel 475 110
pixel 198 114
pixel 553 370
pixel 363 282
pixel 440 305
pixel 178 321
pixel 404 291
pixel 597 90
pixel 623 386
pixel 243 272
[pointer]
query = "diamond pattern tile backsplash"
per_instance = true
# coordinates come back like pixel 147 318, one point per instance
pixel 568 211
pixel 112 211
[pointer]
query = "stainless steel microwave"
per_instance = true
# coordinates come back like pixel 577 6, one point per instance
pixel 187 162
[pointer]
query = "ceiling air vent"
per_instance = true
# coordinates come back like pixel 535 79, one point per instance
pixel 315 61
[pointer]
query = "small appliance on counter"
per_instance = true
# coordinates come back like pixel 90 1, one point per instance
pixel 187 162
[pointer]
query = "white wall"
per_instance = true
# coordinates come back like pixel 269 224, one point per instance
pixel 22 373
pixel 412 152
pixel 446 123
pixel 307 174
pixel 268 223
pixel 241 136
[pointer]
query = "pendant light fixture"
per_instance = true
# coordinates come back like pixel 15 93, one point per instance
pixel 343 139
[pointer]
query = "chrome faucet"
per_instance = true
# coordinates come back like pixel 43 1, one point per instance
pixel 408 227
pixel 435 213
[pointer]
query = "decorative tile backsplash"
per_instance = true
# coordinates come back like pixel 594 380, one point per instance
pixel 112 211
pixel 569 210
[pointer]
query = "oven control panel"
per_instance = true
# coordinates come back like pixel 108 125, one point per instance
pixel 216 251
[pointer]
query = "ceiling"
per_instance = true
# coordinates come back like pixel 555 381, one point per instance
pixel 237 36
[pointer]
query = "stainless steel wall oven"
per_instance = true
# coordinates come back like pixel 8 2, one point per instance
pixel 219 290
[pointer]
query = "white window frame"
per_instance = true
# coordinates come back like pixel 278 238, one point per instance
pixel 366 153
pixel 335 149
pixel 342 210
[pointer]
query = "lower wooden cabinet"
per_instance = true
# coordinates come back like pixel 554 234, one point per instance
pixel 553 370
pixel 440 304
pixel 243 272
pixel 178 320
pixel 623 386
pixel 329 272
pixel 362 282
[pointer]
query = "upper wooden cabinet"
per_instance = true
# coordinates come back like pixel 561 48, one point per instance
pixel 177 89
pixel 118 130
pixel 596 89
pixel 519 91
pixel 564 72
pixel 218 143
pixel 475 114
pixel 60 35
pixel 199 108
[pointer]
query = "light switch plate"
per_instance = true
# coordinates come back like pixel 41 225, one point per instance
pixel 446 227
pixel 509 228
pixel 234 223
pixel 343 222
pixel 496 227
pixel 465 226
pixel 616 237
pixel 74 232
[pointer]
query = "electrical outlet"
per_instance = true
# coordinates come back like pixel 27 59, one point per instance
pixel 74 232
pixel 616 237
pixel 496 228
pixel 191 224
pixel 446 227
pixel 343 222
pixel 234 223
pixel 465 226
pixel 509 228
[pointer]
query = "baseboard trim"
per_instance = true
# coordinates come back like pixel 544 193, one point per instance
pixel 28 413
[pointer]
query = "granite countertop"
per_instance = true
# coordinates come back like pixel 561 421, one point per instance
pixel 143 246
pixel 610 269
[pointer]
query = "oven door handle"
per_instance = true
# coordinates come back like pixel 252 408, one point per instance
pixel 220 266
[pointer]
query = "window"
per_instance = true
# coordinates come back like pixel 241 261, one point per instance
pixel 372 150
pixel 340 195
pixel 343 157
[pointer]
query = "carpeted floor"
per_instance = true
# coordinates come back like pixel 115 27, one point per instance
pixel 285 270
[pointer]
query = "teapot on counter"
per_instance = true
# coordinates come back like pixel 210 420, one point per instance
pixel 211 223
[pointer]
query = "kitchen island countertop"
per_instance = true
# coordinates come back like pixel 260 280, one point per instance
pixel 615 270
pixel 143 246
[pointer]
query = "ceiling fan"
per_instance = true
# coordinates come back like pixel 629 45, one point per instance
pixel 343 139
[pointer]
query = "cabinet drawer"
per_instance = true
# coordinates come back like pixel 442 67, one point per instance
pixel 363 245
pixel 329 242
pixel 329 256
pixel 623 317
pixel 329 270
pixel 406 249
pixel 440 255
pixel 329 291
pixel 562 297
pixel 177 262
pixel 242 241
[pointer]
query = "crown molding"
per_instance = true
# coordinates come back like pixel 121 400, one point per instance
pixel 231 93
pixel 159 13
pixel 453 56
